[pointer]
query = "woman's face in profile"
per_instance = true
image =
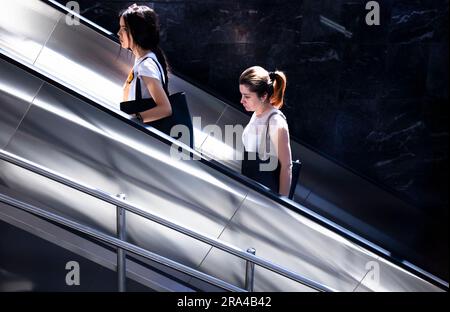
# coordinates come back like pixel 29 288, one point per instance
pixel 123 34
pixel 249 99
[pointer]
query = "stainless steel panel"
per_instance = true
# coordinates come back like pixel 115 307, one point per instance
pixel 56 198
pixel 79 245
pixel 385 276
pixel 88 61
pixel 25 26
pixel 288 239
pixel 130 162
pixel 232 270
pixel 227 148
pixel 204 108
pixel 17 90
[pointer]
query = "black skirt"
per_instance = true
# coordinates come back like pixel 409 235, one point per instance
pixel 251 168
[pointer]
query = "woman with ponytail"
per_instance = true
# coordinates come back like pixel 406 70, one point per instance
pixel 139 32
pixel 267 154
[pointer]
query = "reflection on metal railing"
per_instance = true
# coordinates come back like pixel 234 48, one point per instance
pixel 121 234
pixel 120 244
pixel 28 165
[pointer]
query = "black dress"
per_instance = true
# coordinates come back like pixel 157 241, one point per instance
pixel 251 165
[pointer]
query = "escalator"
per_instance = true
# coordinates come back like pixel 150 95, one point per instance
pixel 26 266
pixel 61 114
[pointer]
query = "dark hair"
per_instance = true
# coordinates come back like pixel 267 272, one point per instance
pixel 259 80
pixel 143 25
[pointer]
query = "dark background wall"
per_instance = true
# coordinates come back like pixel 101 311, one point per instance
pixel 376 102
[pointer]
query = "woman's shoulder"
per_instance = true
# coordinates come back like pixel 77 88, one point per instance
pixel 277 119
pixel 148 66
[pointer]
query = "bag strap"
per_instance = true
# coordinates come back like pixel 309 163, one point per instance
pixel 268 126
pixel 138 92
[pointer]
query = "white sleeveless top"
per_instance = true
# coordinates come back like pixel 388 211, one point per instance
pixel 254 135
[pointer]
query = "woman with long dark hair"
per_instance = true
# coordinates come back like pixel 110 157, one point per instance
pixel 139 32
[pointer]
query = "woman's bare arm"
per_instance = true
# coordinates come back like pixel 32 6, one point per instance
pixel 285 158
pixel 163 108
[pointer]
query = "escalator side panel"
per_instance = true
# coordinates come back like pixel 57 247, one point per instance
pixel 228 147
pixel 302 247
pixel 94 64
pixel 384 276
pixel 205 109
pixel 298 245
pixel 74 246
pixel 17 90
pixel 62 133
pixel 25 26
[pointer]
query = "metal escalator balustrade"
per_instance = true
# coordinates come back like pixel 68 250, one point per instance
pixel 119 243
pixel 119 202
pixel 315 216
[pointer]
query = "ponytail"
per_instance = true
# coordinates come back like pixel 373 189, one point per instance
pixel 259 80
pixel 279 87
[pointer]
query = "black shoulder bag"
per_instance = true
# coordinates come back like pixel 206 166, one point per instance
pixel 180 110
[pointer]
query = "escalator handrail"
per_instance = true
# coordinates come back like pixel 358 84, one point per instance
pixel 293 206
pixel 119 243
pixel 113 200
